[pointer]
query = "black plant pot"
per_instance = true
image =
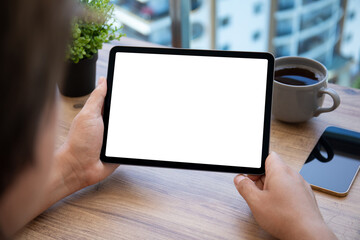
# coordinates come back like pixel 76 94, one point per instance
pixel 80 78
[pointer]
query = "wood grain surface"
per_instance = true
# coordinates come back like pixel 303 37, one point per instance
pixel 159 203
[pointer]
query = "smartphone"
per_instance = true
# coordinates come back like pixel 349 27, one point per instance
pixel 334 162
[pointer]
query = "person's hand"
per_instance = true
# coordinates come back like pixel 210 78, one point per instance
pixel 80 154
pixel 282 202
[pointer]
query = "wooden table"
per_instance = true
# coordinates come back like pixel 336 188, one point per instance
pixel 159 203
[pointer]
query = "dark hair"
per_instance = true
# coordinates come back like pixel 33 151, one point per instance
pixel 33 42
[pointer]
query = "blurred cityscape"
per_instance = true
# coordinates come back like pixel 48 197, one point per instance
pixel 325 30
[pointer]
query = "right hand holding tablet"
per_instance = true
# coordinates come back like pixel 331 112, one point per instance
pixel 282 202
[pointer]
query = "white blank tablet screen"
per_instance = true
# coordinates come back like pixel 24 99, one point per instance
pixel 192 109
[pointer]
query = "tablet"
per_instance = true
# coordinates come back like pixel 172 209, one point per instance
pixel 191 109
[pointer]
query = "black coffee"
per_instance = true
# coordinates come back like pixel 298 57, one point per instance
pixel 296 76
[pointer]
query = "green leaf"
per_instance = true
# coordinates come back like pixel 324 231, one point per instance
pixel 90 32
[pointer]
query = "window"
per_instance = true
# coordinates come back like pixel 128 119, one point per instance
pixel 195 4
pixel 224 21
pixel 256 35
pixel 225 47
pixel 283 50
pixel 258 8
pixel 348 37
pixel 284 27
pixel 351 15
pixel 285 4
pixel 197 30
pixel 322 58
pixel 306 2
pixel 312 42
pixel 317 17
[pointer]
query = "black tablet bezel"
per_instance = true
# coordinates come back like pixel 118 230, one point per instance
pixel 193 166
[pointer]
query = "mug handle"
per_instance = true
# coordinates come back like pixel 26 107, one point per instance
pixel 335 98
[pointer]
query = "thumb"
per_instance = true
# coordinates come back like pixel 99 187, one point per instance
pixel 273 163
pixel 96 99
pixel 108 168
pixel 247 189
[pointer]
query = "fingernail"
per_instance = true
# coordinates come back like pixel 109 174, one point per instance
pixel 238 179
pixel 101 80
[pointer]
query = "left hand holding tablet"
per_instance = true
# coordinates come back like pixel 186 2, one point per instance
pixel 80 153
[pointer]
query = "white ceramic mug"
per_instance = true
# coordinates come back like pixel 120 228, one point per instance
pixel 299 103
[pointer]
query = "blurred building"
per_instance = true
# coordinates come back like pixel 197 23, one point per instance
pixel 242 25
pixel 149 20
pixel 313 29
pixel 350 36
pixel 325 30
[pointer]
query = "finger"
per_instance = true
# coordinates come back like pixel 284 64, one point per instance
pixel 96 99
pixel 273 163
pixel 254 177
pixel 108 168
pixel 259 184
pixel 247 189
pixel 102 108
pixel 262 179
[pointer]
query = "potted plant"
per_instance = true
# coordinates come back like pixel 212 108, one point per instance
pixel 89 32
